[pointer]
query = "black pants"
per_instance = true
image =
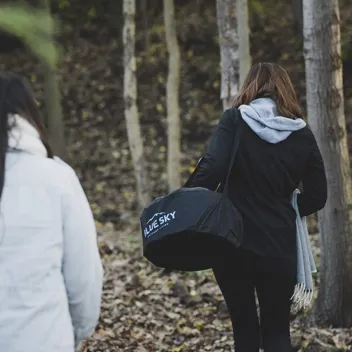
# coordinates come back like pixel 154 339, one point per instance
pixel 273 279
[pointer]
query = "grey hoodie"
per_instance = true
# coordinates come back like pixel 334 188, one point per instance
pixel 262 117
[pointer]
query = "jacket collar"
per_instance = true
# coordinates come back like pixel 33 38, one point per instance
pixel 24 137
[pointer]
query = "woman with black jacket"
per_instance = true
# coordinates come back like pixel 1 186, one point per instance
pixel 277 152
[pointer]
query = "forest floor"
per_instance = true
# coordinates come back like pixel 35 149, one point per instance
pixel 146 309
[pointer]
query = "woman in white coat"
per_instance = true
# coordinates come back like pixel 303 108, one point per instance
pixel 50 270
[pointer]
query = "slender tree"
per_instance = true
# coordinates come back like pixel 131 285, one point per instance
pixel 130 101
pixel 229 55
pixel 53 106
pixel 173 86
pixel 243 35
pixel 325 105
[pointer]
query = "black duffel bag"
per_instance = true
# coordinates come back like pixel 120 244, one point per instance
pixel 191 229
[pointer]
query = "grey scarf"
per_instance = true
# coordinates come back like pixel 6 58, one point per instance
pixel 262 117
pixel 303 294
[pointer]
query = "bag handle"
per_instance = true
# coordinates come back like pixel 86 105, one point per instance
pixel 224 186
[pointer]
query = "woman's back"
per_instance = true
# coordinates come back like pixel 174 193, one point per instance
pixel 263 180
pixel 50 270
pixel 33 300
pixel 277 152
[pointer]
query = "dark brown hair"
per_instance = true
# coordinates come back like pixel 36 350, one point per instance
pixel 16 97
pixel 268 80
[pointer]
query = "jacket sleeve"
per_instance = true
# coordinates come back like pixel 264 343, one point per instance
pixel 314 195
pixel 214 165
pixel 82 267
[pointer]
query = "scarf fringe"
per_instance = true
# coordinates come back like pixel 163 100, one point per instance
pixel 302 297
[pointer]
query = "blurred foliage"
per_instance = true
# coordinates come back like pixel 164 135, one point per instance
pixel 34 27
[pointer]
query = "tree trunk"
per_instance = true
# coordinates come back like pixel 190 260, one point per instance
pixel 244 42
pixel 229 56
pixel 173 86
pixel 325 106
pixel 56 125
pixel 130 101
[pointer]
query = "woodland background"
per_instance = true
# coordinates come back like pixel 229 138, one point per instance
pixel 144 308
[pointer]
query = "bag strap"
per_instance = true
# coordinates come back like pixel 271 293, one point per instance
pixel 224 187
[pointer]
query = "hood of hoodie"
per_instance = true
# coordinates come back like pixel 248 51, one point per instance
pixel 262 117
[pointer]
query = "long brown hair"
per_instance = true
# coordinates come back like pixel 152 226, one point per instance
pixel 268 80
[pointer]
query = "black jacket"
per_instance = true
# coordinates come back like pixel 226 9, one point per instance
pixel 262 182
